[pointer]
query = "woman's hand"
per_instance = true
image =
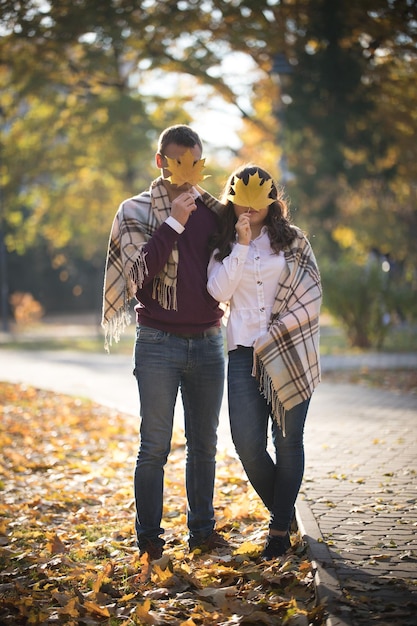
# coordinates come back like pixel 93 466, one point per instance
pixel 243 229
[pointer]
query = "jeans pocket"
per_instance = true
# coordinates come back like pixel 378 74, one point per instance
pixel 150 343
pixel 145 334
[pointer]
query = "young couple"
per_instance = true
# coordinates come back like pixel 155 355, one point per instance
pixel 180 253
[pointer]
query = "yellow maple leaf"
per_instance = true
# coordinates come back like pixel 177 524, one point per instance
pixel 254 195
pixel 247 547
pixel 55 545
pixel 96 609
pixel 72 608
pixel 161 575
pixel 185 170
pixel 142 611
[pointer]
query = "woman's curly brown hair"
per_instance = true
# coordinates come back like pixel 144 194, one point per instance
pixel 280 231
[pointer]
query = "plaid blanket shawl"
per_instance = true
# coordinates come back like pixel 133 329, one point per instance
pixel 286 359
pixel 134 224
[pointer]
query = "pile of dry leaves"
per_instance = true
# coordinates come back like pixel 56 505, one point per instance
pixel 67 549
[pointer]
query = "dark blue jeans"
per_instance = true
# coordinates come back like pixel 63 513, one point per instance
pixel 277 481
pixel 164 364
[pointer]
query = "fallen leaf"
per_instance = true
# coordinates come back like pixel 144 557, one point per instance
pixel 69 516
pixel 55 545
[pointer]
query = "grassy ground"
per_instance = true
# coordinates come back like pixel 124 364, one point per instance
pixel 401 381
pixel 83 332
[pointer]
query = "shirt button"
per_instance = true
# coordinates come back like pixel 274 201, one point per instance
pixel 256 258
pixel 259 282
pixel 262 309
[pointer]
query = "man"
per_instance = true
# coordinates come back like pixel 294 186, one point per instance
pixel 158 251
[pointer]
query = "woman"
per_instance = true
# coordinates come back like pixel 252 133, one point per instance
pixel 265 268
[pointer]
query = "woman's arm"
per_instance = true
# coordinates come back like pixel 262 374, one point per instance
pixel 224 276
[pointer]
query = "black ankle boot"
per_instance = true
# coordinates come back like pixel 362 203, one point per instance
pixel 276 545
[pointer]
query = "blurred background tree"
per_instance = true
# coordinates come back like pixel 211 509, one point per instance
pixel 326 92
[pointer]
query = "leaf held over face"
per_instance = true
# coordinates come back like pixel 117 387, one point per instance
pixel 254 195
pixel 185 170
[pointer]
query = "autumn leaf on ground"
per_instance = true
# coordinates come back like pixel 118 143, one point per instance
pixel 68 554
pixel 55 545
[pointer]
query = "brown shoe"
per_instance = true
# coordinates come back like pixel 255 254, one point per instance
pixel 213 542
pixel 152 548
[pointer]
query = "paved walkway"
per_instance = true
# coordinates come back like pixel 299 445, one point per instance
pixel 359 495
pixel 358 504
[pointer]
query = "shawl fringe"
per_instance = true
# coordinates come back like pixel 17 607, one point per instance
pixel 114 327
pixel 165 294
pixel 138 271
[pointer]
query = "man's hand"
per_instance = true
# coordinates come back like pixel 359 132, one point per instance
pixel 182 207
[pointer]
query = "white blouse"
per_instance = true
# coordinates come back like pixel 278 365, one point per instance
pixel 248 278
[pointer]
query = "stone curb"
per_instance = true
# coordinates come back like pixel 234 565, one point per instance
pixel 328 590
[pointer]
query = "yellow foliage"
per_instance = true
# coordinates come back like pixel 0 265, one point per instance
pixel 25 308
pixel 344 236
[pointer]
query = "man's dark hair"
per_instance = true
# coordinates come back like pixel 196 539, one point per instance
pixel 180 134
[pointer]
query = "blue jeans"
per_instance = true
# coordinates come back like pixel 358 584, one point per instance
pixel 277 481
pixel 164 364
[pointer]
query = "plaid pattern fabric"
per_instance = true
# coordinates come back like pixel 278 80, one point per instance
pixel 134 224
pixel 286 359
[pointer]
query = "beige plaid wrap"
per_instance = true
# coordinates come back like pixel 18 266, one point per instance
pixel 134 224
pixel 286 358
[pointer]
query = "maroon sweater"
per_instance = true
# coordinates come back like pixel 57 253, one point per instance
pixel 197 310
